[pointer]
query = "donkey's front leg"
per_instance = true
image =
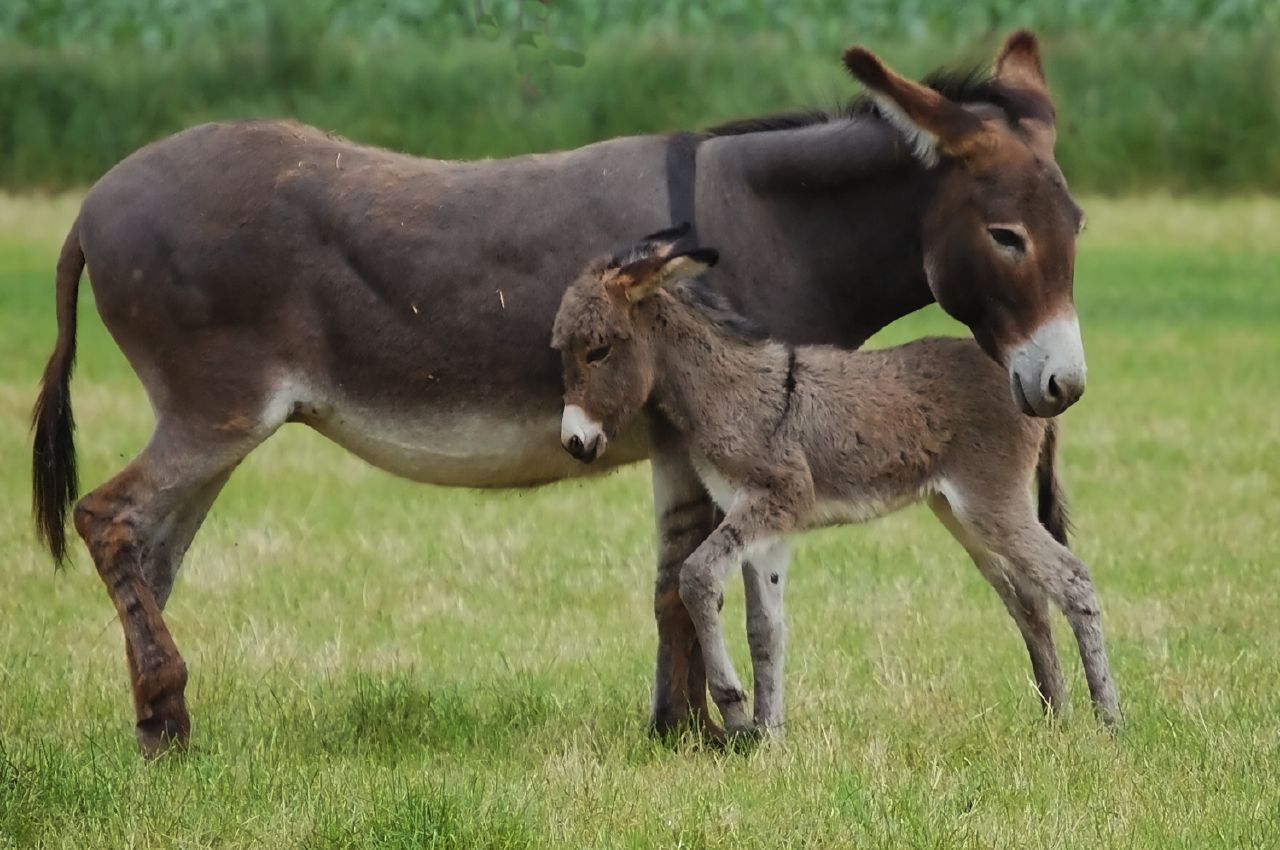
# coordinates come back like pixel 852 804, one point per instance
pixel 745 528
pixel 685 517
pixel 764 575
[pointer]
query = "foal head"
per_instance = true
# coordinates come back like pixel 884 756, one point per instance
pixel 602 334
pixel 999 238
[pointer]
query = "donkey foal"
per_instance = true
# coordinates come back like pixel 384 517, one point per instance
pixel 792 438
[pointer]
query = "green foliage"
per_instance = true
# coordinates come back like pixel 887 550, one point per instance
pixel 159 25
pixel 1173 93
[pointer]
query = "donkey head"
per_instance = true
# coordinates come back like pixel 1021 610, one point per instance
pixel 999 239
pixel 603 339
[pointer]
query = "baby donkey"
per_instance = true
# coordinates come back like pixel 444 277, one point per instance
pixel 791 438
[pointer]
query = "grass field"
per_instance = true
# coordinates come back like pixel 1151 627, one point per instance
pixel 379 664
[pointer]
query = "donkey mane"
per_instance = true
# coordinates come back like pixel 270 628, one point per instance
pixel 963 85
pixel 711 304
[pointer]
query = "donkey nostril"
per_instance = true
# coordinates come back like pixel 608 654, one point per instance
pixel 1052 388
pixel 575 445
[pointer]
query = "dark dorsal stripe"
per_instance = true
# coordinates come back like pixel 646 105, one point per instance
pixel 788 387
pixel 682 154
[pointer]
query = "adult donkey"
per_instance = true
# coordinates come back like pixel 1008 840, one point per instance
pixel 262 273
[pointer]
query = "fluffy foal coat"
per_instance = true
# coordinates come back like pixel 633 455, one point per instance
pixel 791 438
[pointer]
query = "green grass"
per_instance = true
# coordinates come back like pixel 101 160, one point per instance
pixel 379 664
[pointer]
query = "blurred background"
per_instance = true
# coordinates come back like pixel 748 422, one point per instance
pixel 1181 95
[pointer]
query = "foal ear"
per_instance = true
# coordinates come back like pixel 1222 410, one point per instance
pixel 669 270
pixel 932 123
pixel 664 241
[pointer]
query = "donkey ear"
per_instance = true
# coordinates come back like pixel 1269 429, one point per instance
pixel 671 269
pixel 932 123
pixel 1018 65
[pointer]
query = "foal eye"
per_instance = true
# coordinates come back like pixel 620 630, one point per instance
pixel 1007 237
pixel 598 353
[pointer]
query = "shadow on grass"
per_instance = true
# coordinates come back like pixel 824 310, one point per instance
pixel 401 715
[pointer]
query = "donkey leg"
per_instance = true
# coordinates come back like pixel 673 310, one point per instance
pixel 756 521
pixel 1026 604
pixel 1070 584
pixel 161 563
pixel 764 576
pixel 685 516
pixel 134 527
pixel 1032 551
pixel 701 588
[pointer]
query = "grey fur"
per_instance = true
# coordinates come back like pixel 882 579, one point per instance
pixel 789 439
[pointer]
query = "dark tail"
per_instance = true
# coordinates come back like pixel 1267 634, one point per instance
pixel 54 482
pixel 1053 502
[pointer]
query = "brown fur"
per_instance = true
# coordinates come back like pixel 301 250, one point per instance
pixel 792 439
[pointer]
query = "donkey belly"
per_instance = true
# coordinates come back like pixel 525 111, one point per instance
pixel 465 448
pixel 853 505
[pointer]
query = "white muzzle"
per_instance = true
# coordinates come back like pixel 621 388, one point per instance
pixel 1047 372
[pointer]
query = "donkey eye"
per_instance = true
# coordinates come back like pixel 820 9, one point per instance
pixel 1007 237
pixel 598 353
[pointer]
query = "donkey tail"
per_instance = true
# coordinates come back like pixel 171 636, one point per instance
pixel 54 481
pixel 1053 501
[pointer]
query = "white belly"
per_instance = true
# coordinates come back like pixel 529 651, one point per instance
pixel 864 508
pixel 465 448
pixel 849 510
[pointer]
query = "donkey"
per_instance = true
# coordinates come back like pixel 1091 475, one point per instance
pixel 787 438
pixel 263 273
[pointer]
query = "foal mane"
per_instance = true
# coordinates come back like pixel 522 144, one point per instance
pixel 712 305
pixel 963 85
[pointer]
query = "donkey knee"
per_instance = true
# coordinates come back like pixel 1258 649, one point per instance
pixel 86 515
pixel 698 589
pixel 105 526
pixel 1079 596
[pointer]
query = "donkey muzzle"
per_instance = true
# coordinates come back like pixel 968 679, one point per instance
pixel 1047 372
pixel 581 436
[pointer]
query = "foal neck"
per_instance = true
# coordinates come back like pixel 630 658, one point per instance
pixel 710 371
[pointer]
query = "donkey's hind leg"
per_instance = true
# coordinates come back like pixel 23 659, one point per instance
pixel 1025 602
pixel 136 526
pixel 1068 582
pixel 1013 532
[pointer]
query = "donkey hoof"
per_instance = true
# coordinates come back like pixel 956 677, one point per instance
pixel 695 726
pixel 667 720
pixel 167 729
pixel 768 731
pixel 156 739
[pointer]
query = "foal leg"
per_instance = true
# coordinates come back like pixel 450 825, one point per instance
pixel 764 576
pixel 1069 583
pixel 136 526
pixel 1026 603
pixel 685 516
pixel 1031 551
pixel 756 521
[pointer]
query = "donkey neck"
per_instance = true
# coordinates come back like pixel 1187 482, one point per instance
pixel 709 376
pixel 820 227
